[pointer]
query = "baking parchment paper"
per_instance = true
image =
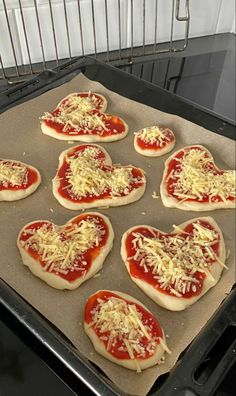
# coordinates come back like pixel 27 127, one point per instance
pixel 21 139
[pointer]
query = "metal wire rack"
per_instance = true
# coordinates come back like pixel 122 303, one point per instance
pixel 39 34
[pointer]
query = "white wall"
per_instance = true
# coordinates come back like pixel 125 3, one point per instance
pixel 207 17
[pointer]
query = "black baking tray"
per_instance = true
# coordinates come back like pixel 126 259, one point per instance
pixel 208 361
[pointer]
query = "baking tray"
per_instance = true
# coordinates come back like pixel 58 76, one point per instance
pixel 53 346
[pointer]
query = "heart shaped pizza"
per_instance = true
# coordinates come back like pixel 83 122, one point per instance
pixel 192 181
pixel 175 269
pixel 66 256
pixel 86 178
pixel 154 141
pixel 80 116
pixel 17 180
pixel 123 330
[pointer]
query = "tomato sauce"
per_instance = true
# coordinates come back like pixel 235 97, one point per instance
pixel 89 256
pixel 147 318
pixel 138 272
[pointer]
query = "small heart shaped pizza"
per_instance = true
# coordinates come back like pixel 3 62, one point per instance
pixel 154 141
pixel 80 116
pixel 86 178
pixel 123 330
pixel 175 269
pixel 17 180
pixel 192 181
pixel 66 256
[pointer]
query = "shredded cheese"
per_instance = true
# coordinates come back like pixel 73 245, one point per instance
pixel 153 135
pixel 12 173
pixel 62 251
pixel 174 259
pixel 77 113
pixel 195 178
pixel 120 321
pixel 88 176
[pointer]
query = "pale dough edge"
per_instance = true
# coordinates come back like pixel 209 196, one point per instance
pixel 55 281
pixel 127 363
pixel 169 302
pixel 171 202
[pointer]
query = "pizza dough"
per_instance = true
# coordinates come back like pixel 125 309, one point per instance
pixel 177 269
pixel 86 178
pixel 66 256
pixel 154 141
pixel 123 330
pixel 192 181
pixel 17 180
pixel 80 116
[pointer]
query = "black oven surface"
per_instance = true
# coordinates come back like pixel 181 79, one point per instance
pixel 206 367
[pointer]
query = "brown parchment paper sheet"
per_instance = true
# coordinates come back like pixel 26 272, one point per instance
pixel 21 139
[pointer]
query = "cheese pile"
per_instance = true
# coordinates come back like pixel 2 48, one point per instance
pixel 75 113
pixel 62 251
pixel 12 173
pixel 195 178
pixel 174 259
pixel 152 135
pixel 121 322
pixel 89 177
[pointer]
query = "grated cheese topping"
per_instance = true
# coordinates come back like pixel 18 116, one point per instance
pixel 88 176
pixel 12 174
pixel 195 178
pixel 153 135
pixel 62 251
pixel 120 322
pixel 174 259
pixel 77 113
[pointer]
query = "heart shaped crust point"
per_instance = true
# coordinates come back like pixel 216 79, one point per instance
pixel 175 269
pixel 80 116
pixel 86 178
pixel 192 181
pixel 17 180
pixel 66 256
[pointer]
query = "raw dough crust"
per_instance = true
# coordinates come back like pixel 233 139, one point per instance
pixel 56 281
pixel 15 195
pixel 171 302
pixel 115 201
pixel 172 202
pixel 151 152
pixel 127 363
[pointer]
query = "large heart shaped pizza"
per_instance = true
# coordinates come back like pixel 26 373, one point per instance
pixel 17 180
pixel 154 141
pixel 123 330
pixel 86 178
pixel 175 269
pixel 80 116
pixel 66 256
pixel 192 181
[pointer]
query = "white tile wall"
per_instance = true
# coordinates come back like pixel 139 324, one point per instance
pixel 207 17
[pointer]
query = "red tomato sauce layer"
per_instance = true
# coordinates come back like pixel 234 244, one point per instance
pixel 89 256
pixel 31 178
pixel 175 164
pixel 63 182
pixel 137 271
pixel 168 139
pixel 147 318
pixel 98 104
